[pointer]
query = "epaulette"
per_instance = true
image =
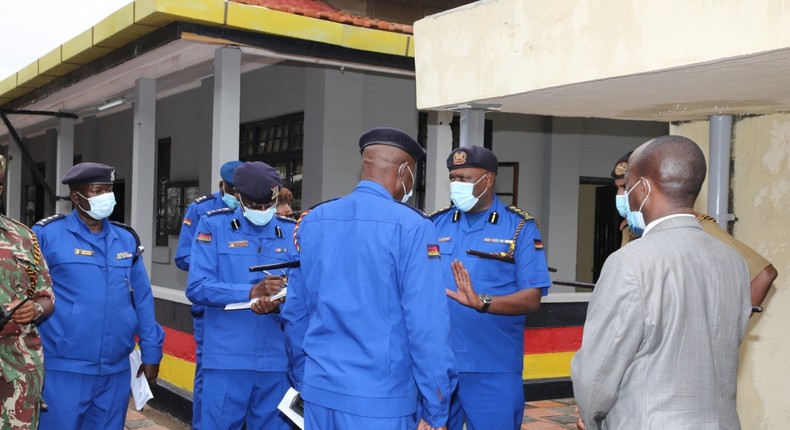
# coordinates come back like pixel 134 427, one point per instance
pixel 421 213
pixel 441 211
pixel 521 212
pixel 285 218
pixel 319 204
pixel 138 247
pixel 703 217
pixel 202 199
pixel 219 211
pixel 48 220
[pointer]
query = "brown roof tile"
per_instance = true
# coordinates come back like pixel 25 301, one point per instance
pixel 320 10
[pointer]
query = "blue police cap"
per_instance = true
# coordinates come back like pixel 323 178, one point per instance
pixel 391 137
pixel 89 173
pixel 227 169
pixel 472 156
pixel 257 181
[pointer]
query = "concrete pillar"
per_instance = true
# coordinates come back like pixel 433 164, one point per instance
pixel 143 177
pixel 227 109
pixel 719 176
pixel 439 145
pixel 64 160
pixel 49 172
pixel 472 126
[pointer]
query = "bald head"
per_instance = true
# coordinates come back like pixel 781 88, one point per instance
pixel 382 164
pixel 674 164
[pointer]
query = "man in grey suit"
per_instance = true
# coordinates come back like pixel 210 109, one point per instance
pixel 660 345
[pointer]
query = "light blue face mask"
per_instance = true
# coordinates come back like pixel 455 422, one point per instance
pixel 406 196
pixel 636 221
pixel 463 194
pixel 258 217
pixel 621 202
pixel 101 205
pixel 230 200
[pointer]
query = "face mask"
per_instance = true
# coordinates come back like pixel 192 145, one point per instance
pixel 230 200
pixel 636 221
pixel 258 217
pixel 101 205
pixel 406 196
pixel 621 202
pixel 462 194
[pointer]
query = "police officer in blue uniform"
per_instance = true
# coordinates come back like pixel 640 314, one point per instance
pixel 222 199
pixel 104 301
pixel 244 359
pixel 366 319
pixel 495 271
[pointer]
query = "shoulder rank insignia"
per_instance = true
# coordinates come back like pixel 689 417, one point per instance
pixel 202 199
pixel 440 211
pixel 493 218
pixel 285 218
pixel 703 217
pixel 521 212
pixel 48 220
pixel 219 211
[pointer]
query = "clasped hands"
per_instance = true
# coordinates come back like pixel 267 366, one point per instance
pixel 264 289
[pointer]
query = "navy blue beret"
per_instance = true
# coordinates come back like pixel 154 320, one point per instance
pixel 90 173
pixel 472 156
pixel 257 181
pixel 618 171
pixel 227 169
pixel 392 137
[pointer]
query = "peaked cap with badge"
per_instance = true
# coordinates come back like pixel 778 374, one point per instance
pixel 257 181
pixel 89 173
pixel 620 166
pixel 472 156
pixel 391 137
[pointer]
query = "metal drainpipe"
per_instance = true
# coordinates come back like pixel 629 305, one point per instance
pixel 719 178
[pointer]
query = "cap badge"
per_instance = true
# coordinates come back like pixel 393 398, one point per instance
pixel 112 175
pixel 459 158
pixel 620 169
pixel 275 191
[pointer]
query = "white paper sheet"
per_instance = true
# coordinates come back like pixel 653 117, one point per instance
pixel 240 305
pixel 141 392
pixel 285 407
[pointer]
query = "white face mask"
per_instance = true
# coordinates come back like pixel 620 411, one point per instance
pixel 406 195
pixel 101 205
pixel 258 217
pixel 462 194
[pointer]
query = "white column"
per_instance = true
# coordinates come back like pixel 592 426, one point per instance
pixel 227 108
pixel 144 165
pixel 13 184
pixel 64 160
pixel 439 145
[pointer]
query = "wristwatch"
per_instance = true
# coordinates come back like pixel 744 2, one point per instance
pixel 486 299
pixel 39 311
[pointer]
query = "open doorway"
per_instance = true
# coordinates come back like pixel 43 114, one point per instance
pixel 598 229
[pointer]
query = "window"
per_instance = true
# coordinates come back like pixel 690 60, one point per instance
pixel 277 142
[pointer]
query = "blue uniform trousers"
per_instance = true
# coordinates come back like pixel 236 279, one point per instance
pixel 197 389
pixel 78 401
pixel 231 395
pixel 318 417
pixel 487 401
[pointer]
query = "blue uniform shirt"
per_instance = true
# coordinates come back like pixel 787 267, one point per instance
pixel 225 246
pixel 93 327
pixel 195 210
pixel 368 309
pixel 486 342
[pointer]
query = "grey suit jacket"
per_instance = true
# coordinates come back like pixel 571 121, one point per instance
pixel 660 344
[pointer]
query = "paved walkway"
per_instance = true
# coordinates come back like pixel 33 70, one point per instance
pixel 559 414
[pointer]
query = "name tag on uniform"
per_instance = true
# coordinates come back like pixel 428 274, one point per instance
pixel 444 239
pixel 280 249
pixel 492 240
pixel 204 237
pixel 87 252
pixel 238 244
pixel 122 255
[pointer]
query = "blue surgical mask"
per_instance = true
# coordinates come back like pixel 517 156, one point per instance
pixel 230 200
pixel 406 195
pixel 621 202
pixel 258 217
pixel 101 205
pixel 462 194
pixel 636 221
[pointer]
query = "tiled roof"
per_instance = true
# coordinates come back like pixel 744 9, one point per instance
pixel 321 10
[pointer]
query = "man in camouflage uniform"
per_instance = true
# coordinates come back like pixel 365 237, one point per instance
pixel 23 274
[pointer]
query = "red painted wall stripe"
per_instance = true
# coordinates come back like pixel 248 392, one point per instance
pixel 556 339
pixel 179 344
